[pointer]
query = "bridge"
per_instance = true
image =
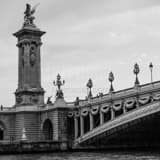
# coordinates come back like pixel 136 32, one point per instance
pixel 129 117
pixel 125 118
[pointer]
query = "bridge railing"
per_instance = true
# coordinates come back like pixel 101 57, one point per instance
pixel 6 109
pixel 90 114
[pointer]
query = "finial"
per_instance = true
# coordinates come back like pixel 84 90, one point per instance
pixel 59 83
pixel 28 15
pixel 151 69
pixel 89 86
pixel 136 71
pixel 111 79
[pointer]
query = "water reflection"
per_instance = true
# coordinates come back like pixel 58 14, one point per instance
pixel 85 156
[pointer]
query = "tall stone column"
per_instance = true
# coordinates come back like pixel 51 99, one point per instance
pixel 101 117
pixel 124 109
pixel 82 125
pixel 112 113
pixel 29 89
pixel 91 121
pixel 137 103
pixel 29 92
pixel 75 127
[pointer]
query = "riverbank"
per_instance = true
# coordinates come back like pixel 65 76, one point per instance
pixel 85 156
pixel 62 146
pixel 32 147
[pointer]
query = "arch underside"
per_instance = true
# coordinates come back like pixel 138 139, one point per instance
pixel 47 130
pixel 2 131
pixel 140 131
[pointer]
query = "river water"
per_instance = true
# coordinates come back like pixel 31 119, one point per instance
pixel 86 156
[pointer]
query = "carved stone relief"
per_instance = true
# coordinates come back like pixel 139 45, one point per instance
pixel 18 99
pixel 32 55
pixel 33 99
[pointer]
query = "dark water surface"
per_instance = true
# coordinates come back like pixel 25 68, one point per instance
pixel 86 156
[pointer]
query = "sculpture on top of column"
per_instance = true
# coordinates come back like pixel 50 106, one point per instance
pixel 59 83
pixel 76 103
pixel 28 18
pixel 111 79
pixel 89 87
pixel 136 70
pixel 49 100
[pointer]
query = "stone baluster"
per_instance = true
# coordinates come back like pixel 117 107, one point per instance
pixel 75 127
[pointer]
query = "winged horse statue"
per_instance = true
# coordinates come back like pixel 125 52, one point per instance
pixel 28 18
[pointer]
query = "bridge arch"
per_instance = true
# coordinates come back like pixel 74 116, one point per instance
pixel 47 130
pixel 2 131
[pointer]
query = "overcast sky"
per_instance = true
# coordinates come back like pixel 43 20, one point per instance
pixel 85 39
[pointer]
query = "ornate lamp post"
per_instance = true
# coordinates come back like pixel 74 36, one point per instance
pixel 111 79
pixel 136 70
pixel 151 69
pixel 89 86
pixel 59 83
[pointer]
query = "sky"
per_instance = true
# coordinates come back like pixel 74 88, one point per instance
pixel 84 39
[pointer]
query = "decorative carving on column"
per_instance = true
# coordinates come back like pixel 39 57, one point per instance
pixel 95 110
pixel 19 99
pixel 105 108
pixel 117 106
pixel 156 97
pixel 84 112
pixel 129 104
pixel 32 55
pixel 144 100
pixel 34 99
